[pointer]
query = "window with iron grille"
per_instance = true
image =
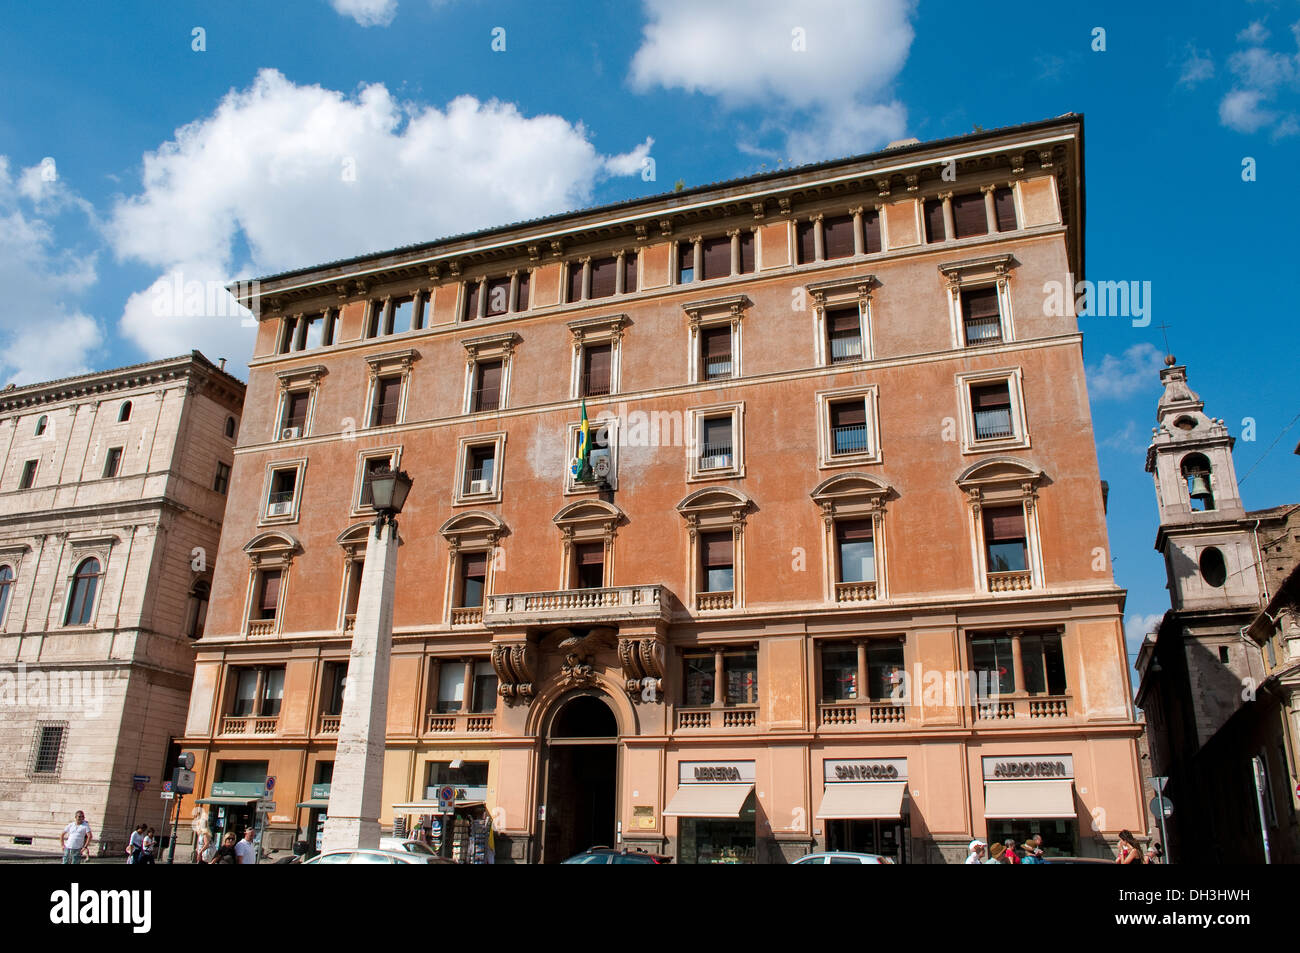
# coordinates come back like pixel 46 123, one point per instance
pixel 48 748
pixel 991 410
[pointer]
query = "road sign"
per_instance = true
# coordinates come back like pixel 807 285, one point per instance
pixel 266 807
pixel 167 787
pixel 168 795
pixel 1159 784
pixel 446 799
pixel 1161 806
pixel 270 783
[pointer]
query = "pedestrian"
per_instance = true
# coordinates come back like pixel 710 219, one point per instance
pixel 201 846
pixel 976 855
pixel 246 850
pixel 998 854
pixel 1033 853
pixel 135 847
pixel 225 854
pixel 1010 845
pixel 148 848
pixel 1155 854
pixel 1129 851
pixel 76 839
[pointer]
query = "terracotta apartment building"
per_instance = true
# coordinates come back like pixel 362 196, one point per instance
pixel 841 578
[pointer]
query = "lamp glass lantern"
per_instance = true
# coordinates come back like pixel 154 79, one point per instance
pixel 388 490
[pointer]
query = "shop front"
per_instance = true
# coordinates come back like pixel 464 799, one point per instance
pixel 1028 795
pixel 232 806
pixel 452 818
pixel 716 812
pixel 317 807
pixel 864 806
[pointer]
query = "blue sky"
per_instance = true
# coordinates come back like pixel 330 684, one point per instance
pixel 311 130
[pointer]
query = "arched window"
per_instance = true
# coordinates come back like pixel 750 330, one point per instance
pixel 1196 473
pixel 81 604
pixel 198 610
pixel 125 412
pixel 6 586
pixel 1213 569
pixel 40 424
pixel 230 427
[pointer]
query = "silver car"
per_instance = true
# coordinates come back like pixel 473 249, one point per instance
pixel 843 857
pixel 375 857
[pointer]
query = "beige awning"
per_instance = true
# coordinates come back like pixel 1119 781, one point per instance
pixel 1029 799
pixel 708 800
pixel 873 801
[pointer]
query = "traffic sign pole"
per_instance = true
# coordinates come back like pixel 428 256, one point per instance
pixel 176 820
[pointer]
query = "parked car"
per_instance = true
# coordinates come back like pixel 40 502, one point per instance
pixel 843 857
pixel 410 846
pixel 611 855
pixel 376 857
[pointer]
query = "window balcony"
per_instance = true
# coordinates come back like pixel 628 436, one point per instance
pixel 329 724
pixel 983 330
pixel 855 591
pixel 716 457
pixel 1018 581
pixel 610 604
pixel 860 715
pixel 249 725
pixel 848 438
pixel 1035 707
pixel 713 601
pixel 458 723
pixel 738 716
pixel 467 615
pixel 258 628
pixel 993 424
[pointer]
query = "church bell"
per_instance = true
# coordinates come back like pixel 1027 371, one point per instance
pixel 1200 488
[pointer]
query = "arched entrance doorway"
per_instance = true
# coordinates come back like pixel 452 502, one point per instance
pixel 580 777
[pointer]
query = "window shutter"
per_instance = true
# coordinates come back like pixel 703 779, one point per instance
pixel 474 564
pixel 270 592
pixel 629 273
pixel 837 235
pixel 843 321
pixel 591 554
pixel 717 342
pixel 471 301
pixel 934 231
pixel 297 415
pixel 596 371
pixel 717 432
pixel 1004 205
pixel 853 531
pixel 522 303
pixel 853 414
pixel 969 216
pixel 871 232
pixel 390 389
pixel 980 303
pixel 746 252
pixel 604 274
pixel 990 397
pixel 686 260
pixel 575 281
pixel 489 377
pixel 717 257
pixel 1004 524
pixel 806 242
pixel 716 549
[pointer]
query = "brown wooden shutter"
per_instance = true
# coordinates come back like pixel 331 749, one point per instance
pixel 871 232
pixel 596 360
pixel 591 554
pixel 717 433
pixel 471 301
pixel 489 384
pixel 522 303
pixel 990 397
pixel 604 275
pixel 297 416
pixel 806 242
pixel 715 549
pixel 575 281
pixel 473 564
pixel 837 236
pixel 270 592
pixel 390 390
pixel 852 414
pixel 1004 206
pixel 843 321
pixel 853 531
pixel 498 296
pixel 746 252
pixel 934 230
pixel 717 342
pixel 717 257
pixel 1004 524
pixel 980 303
pixel 969 217
pixel 629 273
pixel 686 259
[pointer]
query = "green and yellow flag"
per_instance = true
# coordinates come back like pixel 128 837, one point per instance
pixel 581 467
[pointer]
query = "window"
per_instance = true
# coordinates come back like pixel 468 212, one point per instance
pixel 487 386
pixel 522 296
pixel 1005 541
pixel 302 332
pixel 222 482
pixel 717 566
pixel 969 217
pixel 738 668
pixel 479 469
pixel 884 669
pixel 855 551
pixel 81 599
pixel 576 273
pixel 1195 468
pixel 40 424
pixel 1213 569
pixel 385 402
pixel 267 604
pixel 282 493
pixel 716 256
pixel 715 345
pixel 272 692
pixel 837 236
pixel 805 236
pixel 596 364
pixel 472 295
pixel 1224 657
pixel 597 345
pixel 604 277
pixel 991 659
pixel 485 688
pixel 589 565
pixel 401 316
pixel 473 579
pixel 839 673
pixel 717 446
pixel 112 462
pixel 1041 670
pixel 47 748
pixel 356 568
pixel 336 683
pixel 1044 663
pixel 124 412
pixel 698 673
pixel 371 463
pixel 602 458
pixel 872 239
pixel 29 475
pixel 270 555
pixel 6 590
pixel 196 615
pixel 981 316
pixel 848 427
pixel 487 371
pixel 230 427
pixel 993 411
pixel 741 672
pixel 257 692
pixel 715 329
pixel 293 421
pixel 685 262
pixel 1004 209
pixel 844 334
pixel 871 671
pixel 933 214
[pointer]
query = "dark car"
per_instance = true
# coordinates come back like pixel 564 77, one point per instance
pixel 610 855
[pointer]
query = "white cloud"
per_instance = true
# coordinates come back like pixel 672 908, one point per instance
pixel 1197 67
pixel 43 332
pixel 1137 626
pixel 1117 378
pixel 1240 110
pixel 1262 68
pixel 823 67
pixel 1130 439
pixel 298 175
pixel 367 12
pixel 1255 33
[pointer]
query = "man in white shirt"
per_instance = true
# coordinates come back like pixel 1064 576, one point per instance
pixel 246 850
pixel 976 855
pixel 135 847
pixel 76 839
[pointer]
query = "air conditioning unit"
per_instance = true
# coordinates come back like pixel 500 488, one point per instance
pixel 290 433
pixel 480 486
pixel 279 509
pixel 716 462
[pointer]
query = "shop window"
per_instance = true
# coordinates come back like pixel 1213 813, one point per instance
pixel 196 615
pixel 698 673
pixel 112 462
pixel 741 670
pixel 981 316
pixel 1005 542
pixel 28 477
pixel 81 598
pixel 466 774
pixel 485 688
pixel 47 749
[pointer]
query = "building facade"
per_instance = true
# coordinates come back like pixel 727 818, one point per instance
pixel 840 576
pixel 1217 683
pixel 112 490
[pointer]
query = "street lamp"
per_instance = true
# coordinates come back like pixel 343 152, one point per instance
pixel 357 786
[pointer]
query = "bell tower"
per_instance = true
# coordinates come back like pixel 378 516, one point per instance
pixel 1209 555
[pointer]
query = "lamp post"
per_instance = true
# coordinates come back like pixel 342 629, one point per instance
pixel 356 789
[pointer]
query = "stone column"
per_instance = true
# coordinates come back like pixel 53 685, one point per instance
pixel 862 671
pixel 734 235
pixel 357 788
pixel 482 298
pixel 513 304
pixel 990 213
pixel 719 680
pixel 819 238
pixel 467 693
pixel 697 258
pixel 1017 661
pixel 299 332
pixel 586 278
pixel 620 279
pixel 859 239
pixel 949 228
